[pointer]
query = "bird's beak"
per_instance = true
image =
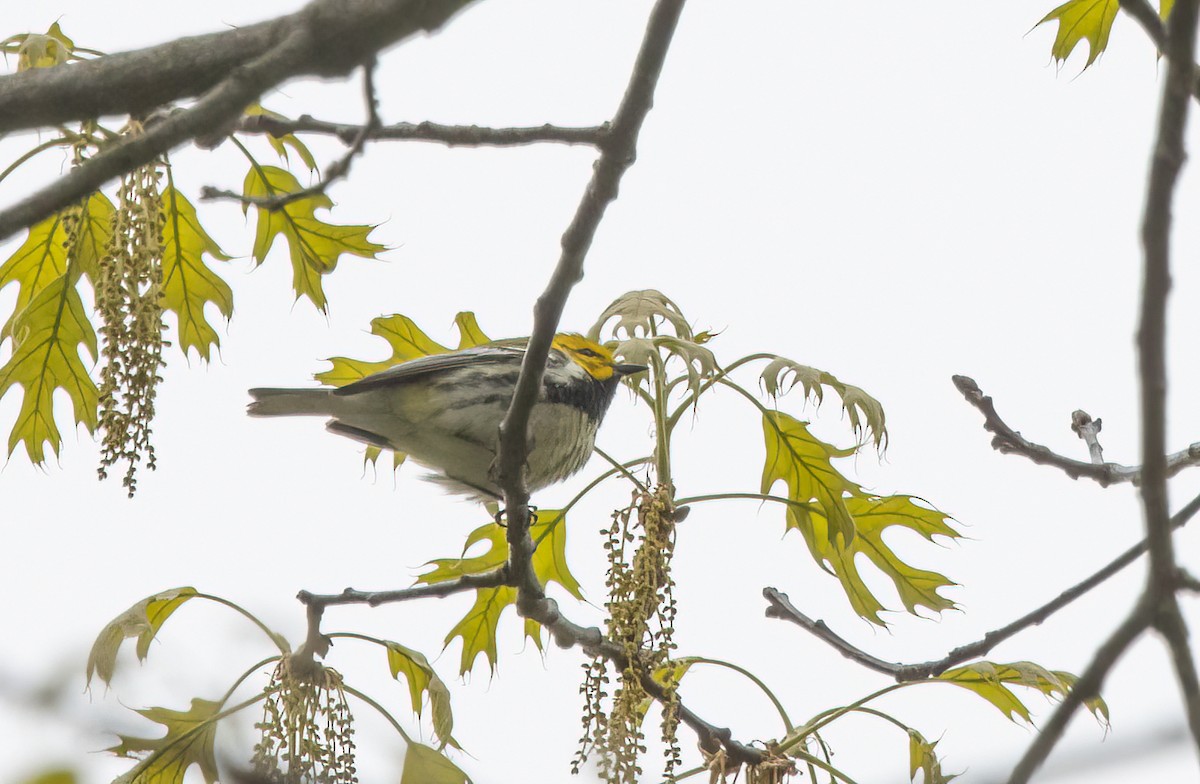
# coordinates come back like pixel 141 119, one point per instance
pixel 629 370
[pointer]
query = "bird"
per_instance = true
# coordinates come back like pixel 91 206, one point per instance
pixel 444 410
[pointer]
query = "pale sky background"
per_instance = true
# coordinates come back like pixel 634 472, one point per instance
pixel 894 192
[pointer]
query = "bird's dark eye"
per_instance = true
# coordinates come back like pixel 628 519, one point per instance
pixel 587 352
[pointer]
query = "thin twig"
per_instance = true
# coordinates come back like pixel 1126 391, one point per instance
pixel 334 171
pixel 1007 440
pixel 450 135
pixel 781 607
pixel 1089 430
pixel 468 582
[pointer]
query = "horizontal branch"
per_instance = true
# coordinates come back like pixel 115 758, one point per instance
pixel 468 582
pixel 295 45
pixel 1009 441
pixel 450 135
pixel 344 34
pixel 781 607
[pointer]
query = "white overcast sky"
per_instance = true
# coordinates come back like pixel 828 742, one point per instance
pixel 894 192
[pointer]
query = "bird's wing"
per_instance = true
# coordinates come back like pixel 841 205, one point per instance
pixel 423 367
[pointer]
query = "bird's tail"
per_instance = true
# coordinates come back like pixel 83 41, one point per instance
pixel 289 402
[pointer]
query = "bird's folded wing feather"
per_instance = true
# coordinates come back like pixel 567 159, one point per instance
pixel 423 367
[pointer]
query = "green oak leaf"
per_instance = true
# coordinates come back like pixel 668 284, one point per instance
pixel 143 621
pixel 190 740
pixel 313 245
pixel 1082 20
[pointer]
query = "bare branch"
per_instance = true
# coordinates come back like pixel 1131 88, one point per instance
pixel 1087 687
pixel 1174 631
pixel 1009 441
pixel 467 582
pixel 450 135
pixel 1158 604
pixel 334 171
pixel 1148 18
pixel 1089 430
pixel 1166 163
pixel 326 38
pixel 617 155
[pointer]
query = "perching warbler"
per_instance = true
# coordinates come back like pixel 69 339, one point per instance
pixel 444 410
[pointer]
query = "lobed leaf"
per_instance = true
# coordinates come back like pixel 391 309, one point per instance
pixel 638 314
pixel 189 285
pixel 699 362
pixel 991 680
pixel 47 335
pixel 478 627
pixel 44 256
pixel 871 517
pixel 922 757
pixel 802 462
pixel 1082 20
pixel 865 412
pixel 313 245
pixel 190 740
pixel 421 679
pixel 143 621
pixel 40 50
pixel 406 340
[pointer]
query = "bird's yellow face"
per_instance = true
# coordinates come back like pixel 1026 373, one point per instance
pixel 592 357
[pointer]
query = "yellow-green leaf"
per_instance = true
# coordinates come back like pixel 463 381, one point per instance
pixel 990 680
pixel 872 516
pixel 314 245
pixel 1164 8
pixel 802 462
pixel 40 50
pixel 922 757
pixel 423 765
pixel 190 740
pixel 1082 20
pixel 189 285
pixel 280 143
pixel 422 679
pixel 478 628
pixel 469 332
pixel 406 339
pixel 142 620
pixel 45 256
pixel 47 335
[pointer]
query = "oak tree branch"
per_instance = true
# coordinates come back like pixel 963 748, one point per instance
pixel 1009 441
pixel 449 135
pixel 230 70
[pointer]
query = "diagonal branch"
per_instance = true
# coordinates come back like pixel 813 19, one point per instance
pixel 1158 605
pixel 617 155
pixel 1009 441
pixel 327 37
pixel 450 135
